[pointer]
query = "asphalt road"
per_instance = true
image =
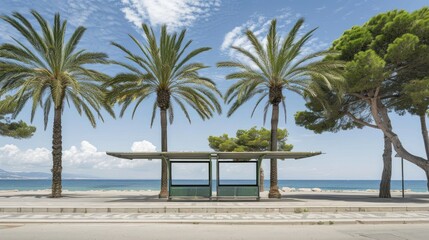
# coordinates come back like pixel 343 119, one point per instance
pixel 119 231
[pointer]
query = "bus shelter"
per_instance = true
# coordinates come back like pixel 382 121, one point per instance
pixel 203 187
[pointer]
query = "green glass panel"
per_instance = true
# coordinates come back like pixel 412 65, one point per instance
pixel 190 191
pixel 238 191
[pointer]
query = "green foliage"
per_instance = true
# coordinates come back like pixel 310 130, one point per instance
pixel 275 67
pixel 382 30
pixel 387 56
pixel 353 41
pixel 163 69
pixel 319 122
pixel 325 111
pixel 249 140
pixel 397 24
pixel 416 97
pixel 48 71
pixel 9 128
pixel 18 130
pixel 365 72
pixel 402 49
pixel 315 122
pixel 420 27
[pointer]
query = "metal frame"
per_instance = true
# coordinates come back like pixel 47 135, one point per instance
pixel 193 186
pixel 240 185
pixel 187 185
pixel 257 162
pixel 281 155
pixel 218 156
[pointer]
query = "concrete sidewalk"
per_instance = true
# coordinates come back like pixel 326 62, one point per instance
pixel 225 218
pixel 145 203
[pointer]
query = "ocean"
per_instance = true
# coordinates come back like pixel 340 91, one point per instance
pixel 109 184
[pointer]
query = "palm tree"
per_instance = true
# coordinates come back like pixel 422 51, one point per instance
pixel 49 73
pixel 163 70
pixel 270 70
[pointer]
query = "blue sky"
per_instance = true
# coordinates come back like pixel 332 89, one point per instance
pixel 217 24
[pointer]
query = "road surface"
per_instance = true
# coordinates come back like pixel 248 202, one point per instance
pixel 118 231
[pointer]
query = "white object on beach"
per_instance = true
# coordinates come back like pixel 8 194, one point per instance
pixel 371 190
pixel 288 189
pixel 304 189
pixel 316 189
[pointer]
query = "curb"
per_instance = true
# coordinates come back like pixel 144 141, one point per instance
pixel 210 209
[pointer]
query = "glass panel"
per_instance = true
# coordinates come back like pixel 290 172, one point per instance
pixel 237 173
pixel 189 173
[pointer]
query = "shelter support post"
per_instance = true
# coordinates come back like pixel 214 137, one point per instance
pixel 258 176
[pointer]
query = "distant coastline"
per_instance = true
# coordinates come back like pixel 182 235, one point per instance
pixel 10 175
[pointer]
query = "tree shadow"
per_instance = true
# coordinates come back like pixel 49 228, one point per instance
pixel 358 197
pixel 291 197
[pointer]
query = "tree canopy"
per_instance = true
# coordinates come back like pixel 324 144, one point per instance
pixel 163 68
pixel 387 69
pixel 389 53
pixel 10 128
pixel 252 139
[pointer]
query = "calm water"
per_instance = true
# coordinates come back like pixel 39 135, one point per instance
pixel 84 185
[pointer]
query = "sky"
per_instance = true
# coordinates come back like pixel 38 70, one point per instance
pixel 218 24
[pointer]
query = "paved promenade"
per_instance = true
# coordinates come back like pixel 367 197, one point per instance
pixel 147 202
pixel 325 208
pixel 225 218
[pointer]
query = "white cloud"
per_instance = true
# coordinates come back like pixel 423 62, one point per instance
pixel 80 11
pixel 259 25
pixel 174 13
pixel 143 146
pixel 9 150
pixel 11 155
pixel 102 18
pixel 86 156
pixel 232 37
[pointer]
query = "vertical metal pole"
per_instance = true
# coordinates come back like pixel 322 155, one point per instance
pixel 169 176
pixel 402 169
pixel 258 174
pixel 217 178
pixel 210 176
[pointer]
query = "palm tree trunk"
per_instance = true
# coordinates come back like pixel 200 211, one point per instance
pixel 261 180
pixel 57 147
pixel 425 134
pixel 387 169
pixel 274 189
pixel 164 177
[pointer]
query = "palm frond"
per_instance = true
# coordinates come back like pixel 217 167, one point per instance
pixel 278 64
pixel 164 65
pixel 48 70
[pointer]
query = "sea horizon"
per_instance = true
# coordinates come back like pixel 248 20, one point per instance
pixel 154 184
